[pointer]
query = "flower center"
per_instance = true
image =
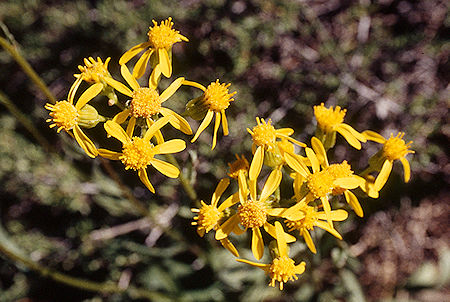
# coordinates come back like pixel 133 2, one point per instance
pixel 282 270
pixel 216 96
pixel 163 36
pixel 208 217
pixel 252 214
pixel 396 148
pixel 264 134
pixel 145 102
pixel 329 118
pixel 306 222
pixel 339 171
pixel 320 183
pixel 137 154
pixel 94 71
pixel 64 114
pixel 239 165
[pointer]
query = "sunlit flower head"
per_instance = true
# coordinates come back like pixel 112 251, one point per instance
pixel 282 269
pixel 215 99
pixel 69 116
pixel 331 120
pixel 160 40
pixel 139 153
pixel 240 165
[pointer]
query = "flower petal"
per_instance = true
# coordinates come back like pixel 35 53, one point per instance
pixel 121 117
pixel 194 84
pixel 116 131
pixel 383 175
pixel 224 123
pixel 295 163
pixel 313 159
pixel 165 168
pixel 158 135
pixel 406 168
pixel 373 136
pixel 326 208
pixel 118 86
pixel 300 268
pixel 354 203
pixel 281 239
pixel 257 162
pixel 172 146
pixel 229 202
pixel 178 122
pixel 88 95
pixel 263 266
pixel 285 131
pixel 356 134
pixel 164 62
pixel 308 240
pixel 127 56
pixel 225 229
pixel 130 126
pixel 326 226
pixel 272 183
pixel 216 129
pixel 142 173
pixel 84 142
pixel 348 182
pixel 155 76
pixel 203 125
pixel 257 243
pixel 129 78
pixel 221 187
pixel 171 89
pixel 319 150
pixel 272 232
pixel 141 64
pixel 349 137
pixel 74 88
pixel 336 215
pixel 226 243
pixel 156 126
pixel 109 154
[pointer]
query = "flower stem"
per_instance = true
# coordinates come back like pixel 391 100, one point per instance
pixel 188 188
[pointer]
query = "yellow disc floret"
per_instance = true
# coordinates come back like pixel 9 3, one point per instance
pixel 282 270
pixel 145 102
pixel 239 165
pixel 94 71
pixel 252 214
pixel 217 96
pixel 264 134
pixel 137 154
pixel 320 183
pixel 64 115
pixel 339 171
pixel 395 147
pixel 208 217
pixel 306 222
pixel 329 118
pixel 163 35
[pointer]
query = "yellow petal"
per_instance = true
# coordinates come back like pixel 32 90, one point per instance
pixel 226 243
pixel 326 226
pixel 165 168
pixel 129 78
pixel 295 163
pixel 203 125
pixel 156 126
pixel 118 86
pixel 172 146
pixel 158 135
pixel 84 142
pixel 272 232
pixel 285 131
pixel 319 150
pixel 127 56
pixel 178 122
pixel 164 62
pixel 243 190
pixel 263 266
pixel 224 123
pixel 272 183
pixel 88 95
pixel 171 89
pixel 326 208
pixel 130 126
pixel 121 117
pixel 74 88
pixel 336 215
pixel 116 131
pixel 300 268
pixel 354 203
pixel 281 239
pixel 257 162
pixel 216 128
pixel 356 134
pixel 309 241
pixel 349 137
pixel 348 182
pixel 155 76
pixel 109 154
pixel 194 84
pixel 406 168
pixel 142 173
pixel 225 229
pixel 373 136
pixel 383 175
pixel 221 187
pixel 229 202
pixel 257 243
pixel 313 159
pixel 141 64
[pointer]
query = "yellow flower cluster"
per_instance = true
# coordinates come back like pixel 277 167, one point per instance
pixel 316 186
pixel 141 111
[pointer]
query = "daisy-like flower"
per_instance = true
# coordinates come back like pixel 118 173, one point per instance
pixel 67 116
pixel 253 212
pixel 160 40
pixel 313 218
pixel 265 137
pixel 282 268
pixel 146 102
pixel 138 153
pixel 208 216
pixel 320 182
pixel 330 120
pixel 215 99
pixel 93 71
pixel 394 148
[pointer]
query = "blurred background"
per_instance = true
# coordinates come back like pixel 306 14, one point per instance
pixel 386 61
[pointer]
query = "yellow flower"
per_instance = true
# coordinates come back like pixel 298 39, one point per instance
pixel 92 72
pixel 138 153
pixel 253 212
pixel 308 217
pixel 331 121
pixel 208 216
pixel 67 116
pixel 264 137
pixel 282 268
pixel 321 181
pixel 215 99
pixel 240 165
pixel 160 40
pixel 394 148
pixel 146 102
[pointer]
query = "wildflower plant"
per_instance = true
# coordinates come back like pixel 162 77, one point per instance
pixel 260 203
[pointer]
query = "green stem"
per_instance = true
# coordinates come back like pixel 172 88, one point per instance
pixel 188 188
pixel 27 68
